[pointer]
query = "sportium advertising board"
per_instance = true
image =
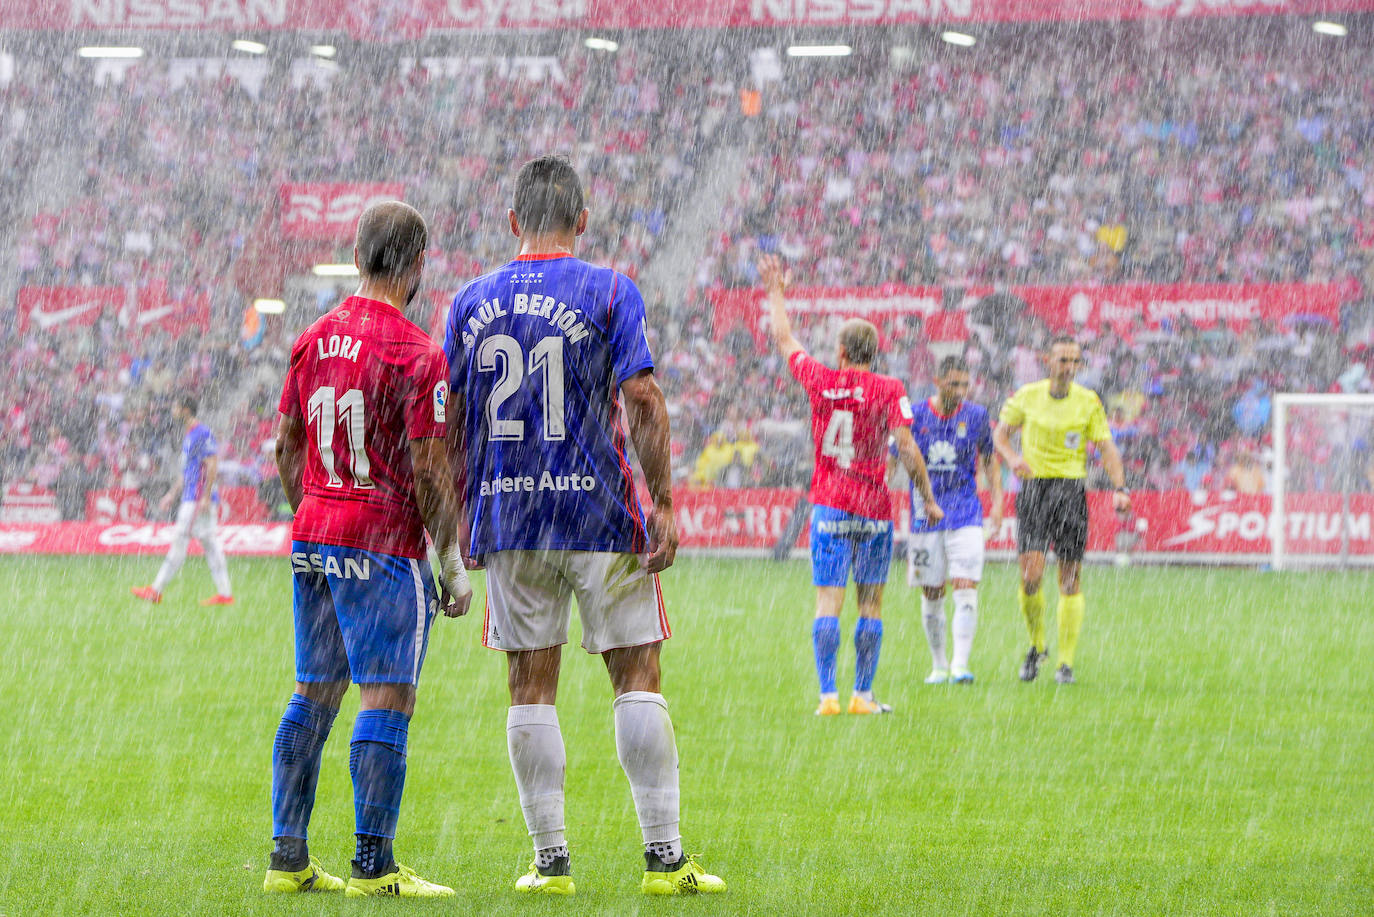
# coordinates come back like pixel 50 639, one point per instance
pixel 1165 526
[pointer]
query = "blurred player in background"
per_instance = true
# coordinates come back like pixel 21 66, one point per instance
pixel 955 438
pixel 853 412
pixel 542 350
pixel 196 514
pixel 363 460
pixel 1057 418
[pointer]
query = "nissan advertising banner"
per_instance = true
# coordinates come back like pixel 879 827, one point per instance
pixel 391 20
pixel 1171 525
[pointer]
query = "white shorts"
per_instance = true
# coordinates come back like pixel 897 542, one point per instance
pixel 529 600
pixel 932 558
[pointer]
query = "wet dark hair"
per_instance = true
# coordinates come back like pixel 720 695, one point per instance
pixel 1061 339
pixel 190 403
pixel 391 235
pixel 548 195
pixel 952 362
pixel 859 341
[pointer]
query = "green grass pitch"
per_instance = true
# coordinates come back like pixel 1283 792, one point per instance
pixel 1217 756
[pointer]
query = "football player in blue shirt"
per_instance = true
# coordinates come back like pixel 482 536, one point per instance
pixel 199 502
pixel 955 437
pixel 541 352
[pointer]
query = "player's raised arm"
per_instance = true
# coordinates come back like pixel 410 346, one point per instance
pixel 290 451
pixel 439 508
pixel 646 414
pixel 916 467
pixel 775 281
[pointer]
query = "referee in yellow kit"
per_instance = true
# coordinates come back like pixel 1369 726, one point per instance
pixel 1058 418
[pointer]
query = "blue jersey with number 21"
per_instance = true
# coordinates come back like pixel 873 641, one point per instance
pixel 538 348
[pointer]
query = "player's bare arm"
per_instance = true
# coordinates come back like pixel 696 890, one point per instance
pixel 646 414
pixel 775 280
pixel 290 452
pixel 458 458
pixel 916 467
pixel 1001 440
pixel 992 470
pixel 439 508
pixel 1116 471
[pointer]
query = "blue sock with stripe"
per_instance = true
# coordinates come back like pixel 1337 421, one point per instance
pixel 377 761
pixel 868 643
pixel 825 639
pixel 296 772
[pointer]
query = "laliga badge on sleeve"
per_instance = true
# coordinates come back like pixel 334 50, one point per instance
pixel 440 397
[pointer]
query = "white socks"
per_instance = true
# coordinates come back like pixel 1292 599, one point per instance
pixel 964 625
pixel 933 614
pixel 219 568
pixel 536 755
pixel 647 749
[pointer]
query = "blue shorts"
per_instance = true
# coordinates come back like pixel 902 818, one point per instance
pixel 360 614
pixel 841 541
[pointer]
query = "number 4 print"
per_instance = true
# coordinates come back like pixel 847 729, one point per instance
pixel 838 441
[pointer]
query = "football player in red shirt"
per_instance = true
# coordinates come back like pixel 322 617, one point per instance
pixel 363 460
pixel 853 413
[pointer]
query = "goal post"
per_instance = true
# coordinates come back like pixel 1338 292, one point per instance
pixel 1358 410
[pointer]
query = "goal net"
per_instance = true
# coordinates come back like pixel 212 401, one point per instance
pixel 1322 481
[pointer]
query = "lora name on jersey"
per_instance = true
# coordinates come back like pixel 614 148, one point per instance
pixel 527 484
pixel 338 346
pixel 329 565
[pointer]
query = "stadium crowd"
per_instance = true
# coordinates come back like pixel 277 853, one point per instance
pixel 1056 167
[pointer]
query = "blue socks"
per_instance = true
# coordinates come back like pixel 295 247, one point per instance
pixel 296 768
pixel 868 643
pixel 825 639
pixel 377 761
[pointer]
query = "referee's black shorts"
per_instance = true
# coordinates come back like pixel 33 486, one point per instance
pixel 1052 513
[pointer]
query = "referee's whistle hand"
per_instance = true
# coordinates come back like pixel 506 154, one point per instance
pixel 1021 468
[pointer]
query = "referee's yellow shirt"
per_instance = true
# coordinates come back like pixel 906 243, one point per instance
pixel 1055 432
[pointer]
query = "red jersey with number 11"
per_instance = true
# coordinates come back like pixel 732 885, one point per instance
pixel 852 413
pixel 365 381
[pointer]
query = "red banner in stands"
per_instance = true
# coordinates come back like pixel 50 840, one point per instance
pixel 1205 305
pixel 117 504
pixel 29 503
pixel 330 210
pixel 388 20
pixel 121 504
pixel 748 309
pixel 65 307
pixel 1152 306
pixel 176 313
